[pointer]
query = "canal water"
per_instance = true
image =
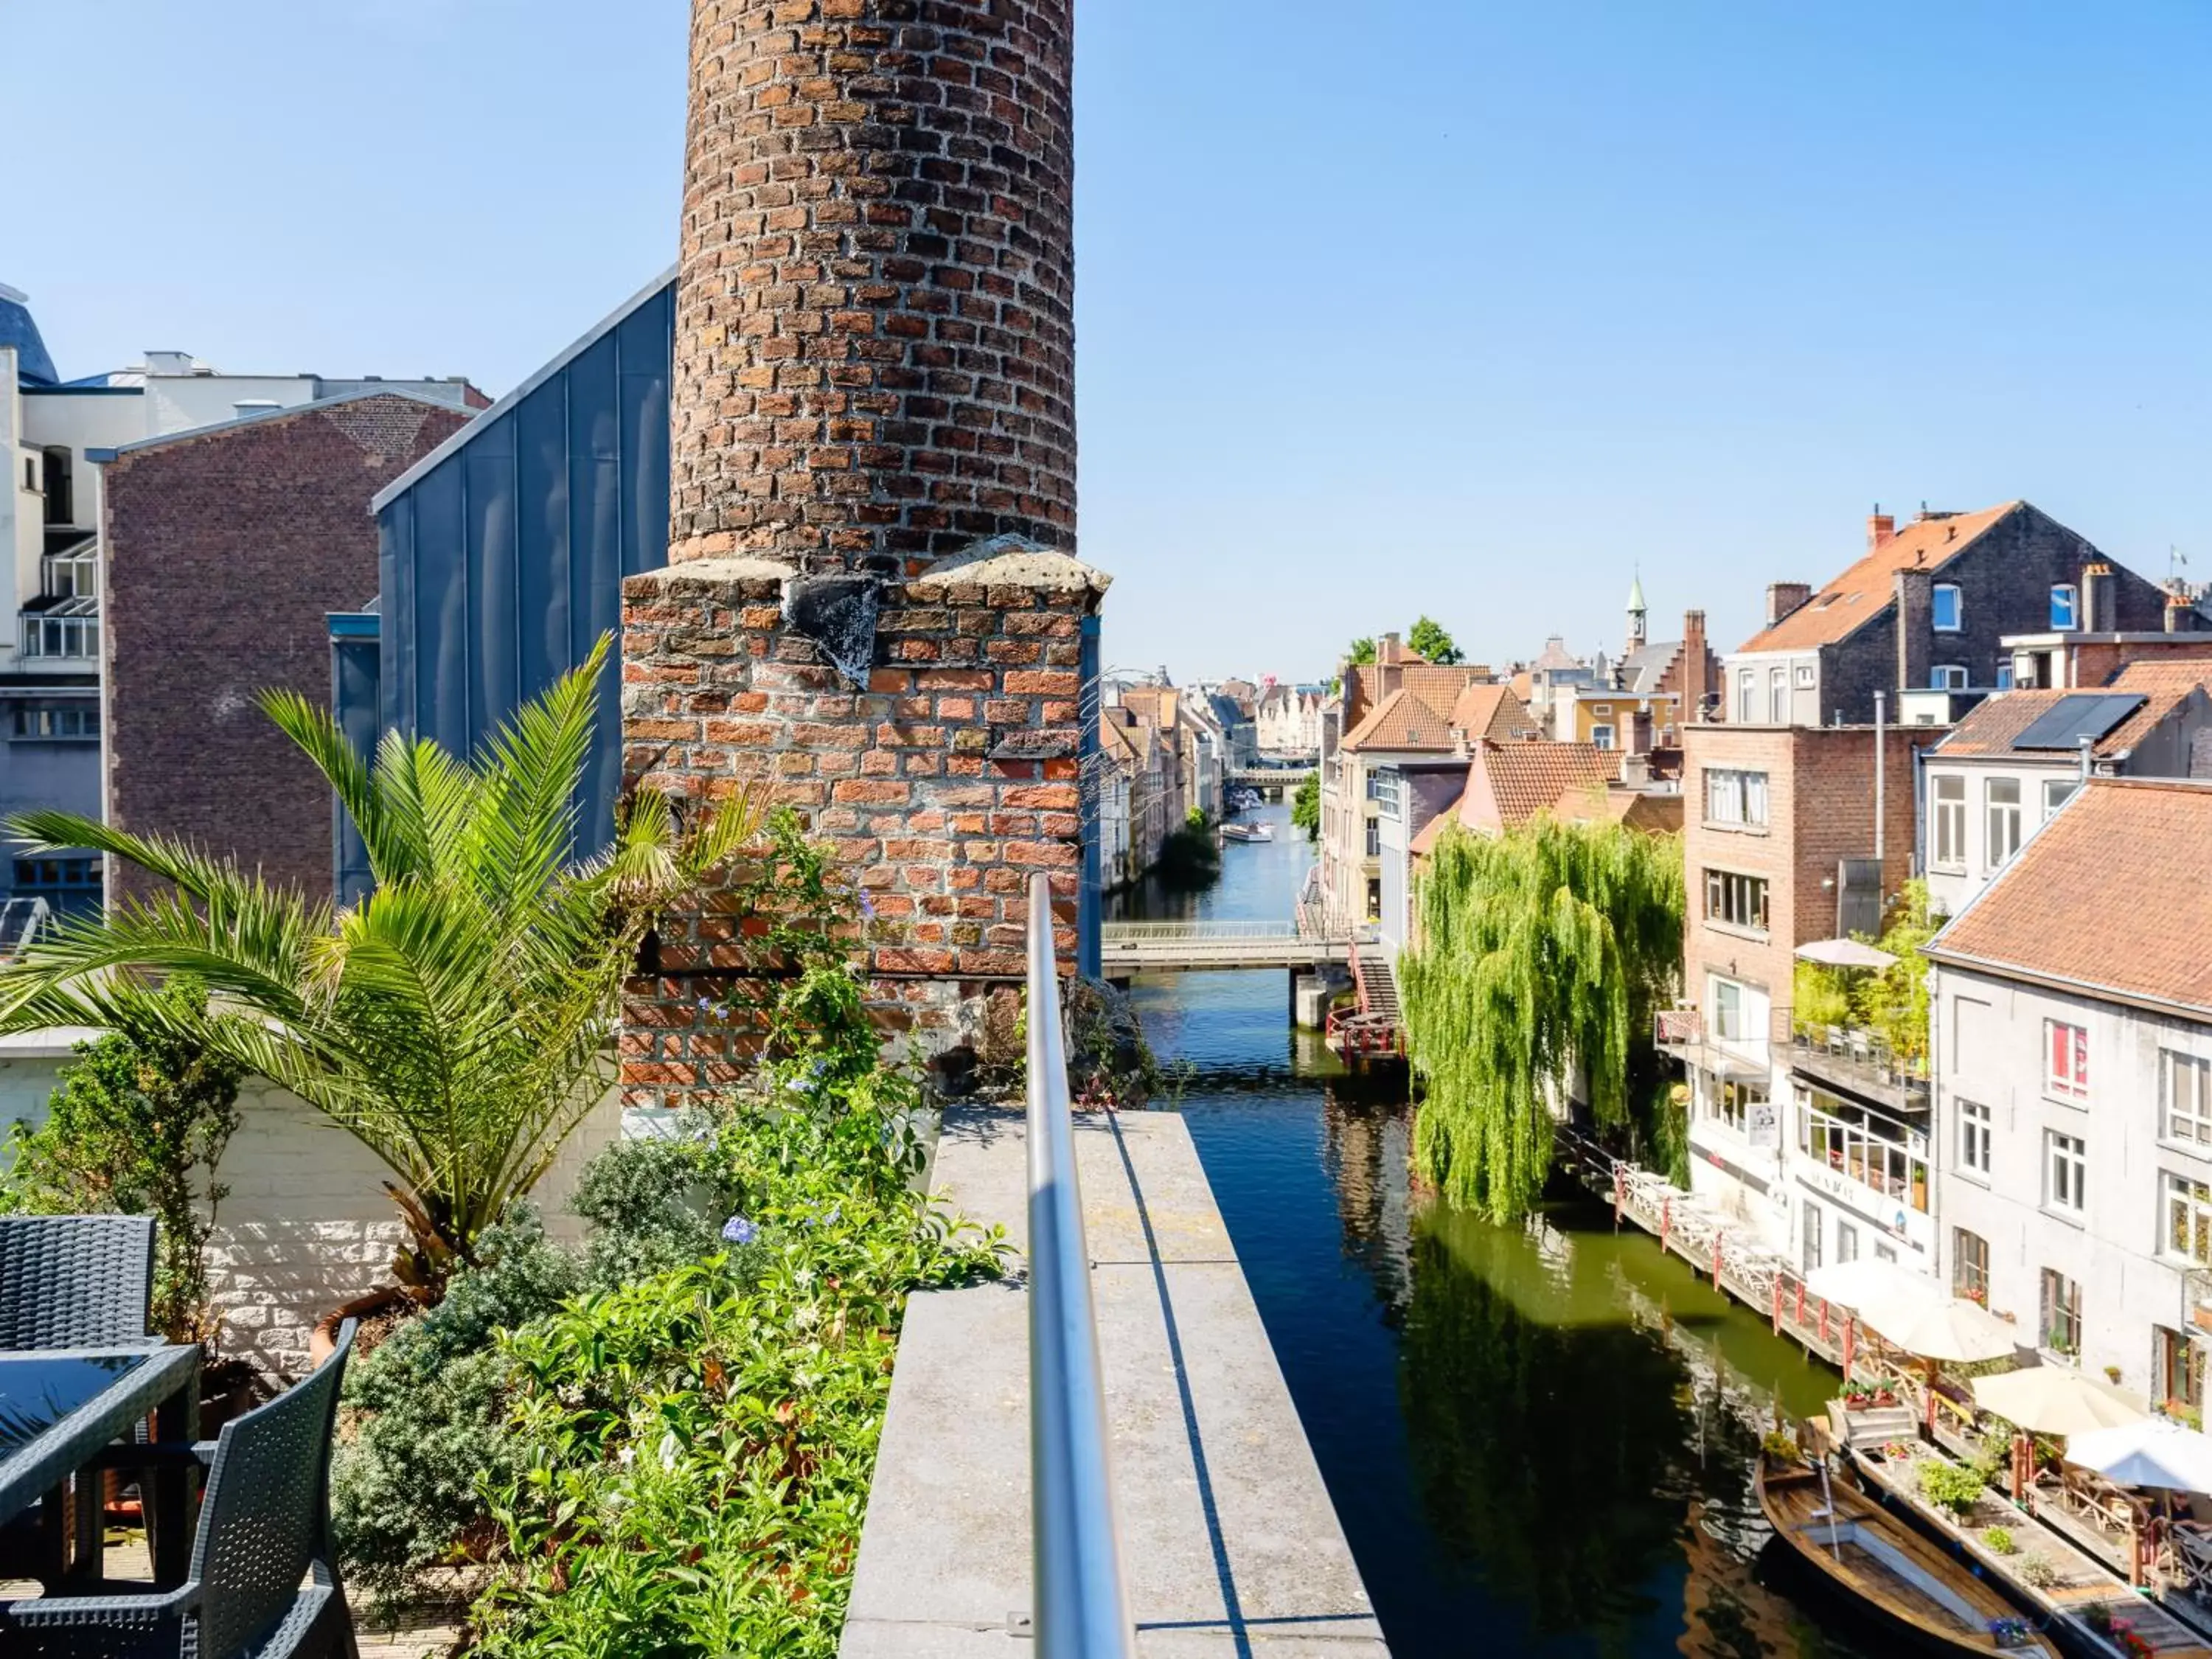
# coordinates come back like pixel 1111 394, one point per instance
pixel 1540 1440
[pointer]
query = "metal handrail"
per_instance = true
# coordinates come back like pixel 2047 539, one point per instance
pixel 1082 1607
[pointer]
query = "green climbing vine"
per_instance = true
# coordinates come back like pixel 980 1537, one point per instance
pixel 1541 956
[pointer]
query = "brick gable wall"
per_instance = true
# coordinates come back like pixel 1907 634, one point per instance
pixel 224 552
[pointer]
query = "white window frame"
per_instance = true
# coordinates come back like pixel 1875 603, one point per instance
pixel 1958 608
pixel 2073 1084
pixel 1727 1010
pixel 1746 696
pixel 1947 821
pixel 1977 1128
pixel 1806 678
pixel 1778 696
pixel 2000 814
pixel 1736 798
pixel 2056 792
pixel 2185 1098
pixel 2065 1172
pixel 2184 1218
pixel 2065 621
pixel 1948 676
pixel 1601 737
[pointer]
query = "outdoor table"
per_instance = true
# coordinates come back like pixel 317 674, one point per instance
pixel 61 1407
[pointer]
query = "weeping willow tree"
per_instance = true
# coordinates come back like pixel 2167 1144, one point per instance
pixel 1542 955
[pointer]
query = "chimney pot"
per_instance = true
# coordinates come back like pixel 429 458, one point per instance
pixel 1783 598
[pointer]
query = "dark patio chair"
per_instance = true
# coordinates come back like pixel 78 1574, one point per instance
pixel 74 1281
pixel 263 1529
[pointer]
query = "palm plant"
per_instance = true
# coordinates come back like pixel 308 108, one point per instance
pixel 458 1019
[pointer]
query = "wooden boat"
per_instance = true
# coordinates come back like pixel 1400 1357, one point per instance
pixel 1248 832
pixel 1930 1601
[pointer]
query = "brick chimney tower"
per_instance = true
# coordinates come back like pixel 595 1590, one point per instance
pixel 875 341
pixel 873 611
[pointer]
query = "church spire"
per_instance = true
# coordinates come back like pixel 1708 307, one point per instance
pixel 1636 610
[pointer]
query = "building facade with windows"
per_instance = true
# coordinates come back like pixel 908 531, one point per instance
pixel 1929 605
pixel 2071 1000
pixel 1810 1135
pixel 56 654
pixel 2007 768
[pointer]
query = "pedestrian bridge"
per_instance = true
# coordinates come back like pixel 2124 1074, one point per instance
pixel 1130 947
pixel 1267 777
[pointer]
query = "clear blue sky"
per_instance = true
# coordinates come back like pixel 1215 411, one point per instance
pixel 1402 306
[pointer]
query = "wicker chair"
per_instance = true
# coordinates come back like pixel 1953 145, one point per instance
pixel 264 1527
pixel 74 1281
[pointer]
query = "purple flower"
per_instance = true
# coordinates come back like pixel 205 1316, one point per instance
pixel 867 905
pixel 739 1231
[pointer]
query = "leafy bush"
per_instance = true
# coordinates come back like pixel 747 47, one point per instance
pixel 138 1126
pixel 429 1410
pixel 2036 1572
pixel 1956 1487
pixel 2000 1539
pixel 1305 806
pixel 1819 996
pixel 656 1204
pixel 692 1453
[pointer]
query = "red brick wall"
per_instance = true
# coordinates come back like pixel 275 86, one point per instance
pixel 1819 809
pixel 943 785
pixel 224 553
pixel 875 328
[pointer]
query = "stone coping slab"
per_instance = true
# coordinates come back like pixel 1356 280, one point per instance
pixel 1229 1542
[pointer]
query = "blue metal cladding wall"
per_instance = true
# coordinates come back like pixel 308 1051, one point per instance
pixel 354 676
pixel 503 562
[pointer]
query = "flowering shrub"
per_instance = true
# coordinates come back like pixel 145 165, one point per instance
pixel 694 1450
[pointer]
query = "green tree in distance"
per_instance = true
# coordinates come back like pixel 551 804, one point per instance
pixel 1360 652
pixel 1542 955
pixel 1305 806
pixel 456 1021
pixel 1427 638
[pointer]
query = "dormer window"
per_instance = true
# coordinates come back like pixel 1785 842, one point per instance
pixel 2065 605
pixel 1949 609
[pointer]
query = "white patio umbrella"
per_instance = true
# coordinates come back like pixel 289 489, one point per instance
pixel 1845 953
pixel 2155 1452
pixel 1880 1292
pixel 1951 1329
pixel 2057 1400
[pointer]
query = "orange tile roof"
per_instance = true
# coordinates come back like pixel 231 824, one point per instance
pixel 2110 895
pixel 1510 783
pixel 1990 725
pixel 1490 711
pixel 1596 802
pixel 1401 721
pixel 1858 595
pixel 2165 682
pixel 1993 725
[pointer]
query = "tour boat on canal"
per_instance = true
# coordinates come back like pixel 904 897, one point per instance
pixel 1929 1602
pixel 1248 832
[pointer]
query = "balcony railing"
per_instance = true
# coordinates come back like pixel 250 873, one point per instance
pixel 1859 1060
pixel 1082 1609
pixel 1681 1033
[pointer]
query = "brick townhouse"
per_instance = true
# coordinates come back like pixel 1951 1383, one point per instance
pixel 1781 850
pixel 1928 605
pixel 227 549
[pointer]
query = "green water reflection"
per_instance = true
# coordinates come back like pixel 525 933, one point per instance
pixel 1538 1439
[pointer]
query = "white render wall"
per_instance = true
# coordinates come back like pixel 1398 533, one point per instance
pixel 1990 1050
pixel 308 1225
pixel 1951 885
